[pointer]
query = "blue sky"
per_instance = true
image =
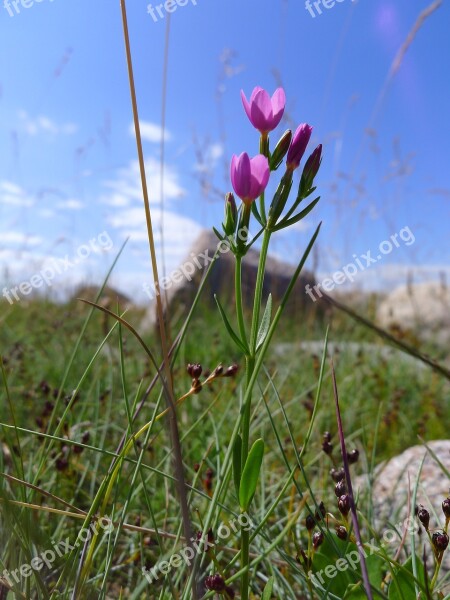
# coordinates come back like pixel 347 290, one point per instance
pixel 68 160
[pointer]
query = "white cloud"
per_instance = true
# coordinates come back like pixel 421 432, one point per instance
pixel 127 185
pixel 13 195
pixel 150 132
pixel 43 124
pixel 70 204
pixel 18 237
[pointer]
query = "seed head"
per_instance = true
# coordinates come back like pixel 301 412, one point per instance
pixel 446 508
pixel 424 516
pixel 317 539
pixel 341 488
pixel 353 456
pixel 440 541
pixel 344 504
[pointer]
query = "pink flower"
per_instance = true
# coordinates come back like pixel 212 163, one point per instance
pixel 263 111
pixel 249 176
pixel 300 140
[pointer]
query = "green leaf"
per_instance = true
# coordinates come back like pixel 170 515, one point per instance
pixel 237 463
pixel 301 215
pixel 219 235
pixel 265 324
pixel 403 585
pixel 267 593
pixel 257 215
pixel 250 474
pixel 228 327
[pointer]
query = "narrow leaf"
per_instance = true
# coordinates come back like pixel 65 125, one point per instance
pixel 301 215
pixel 228 327
pixel 250 474
pixel 267 593
pixel 265 323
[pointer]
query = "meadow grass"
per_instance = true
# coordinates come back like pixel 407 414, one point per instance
pixel 386 403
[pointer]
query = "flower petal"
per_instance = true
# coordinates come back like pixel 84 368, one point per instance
pixel 261 108
pixel 241 174
pixel 278 106
pixel 246 104
pixel 260 173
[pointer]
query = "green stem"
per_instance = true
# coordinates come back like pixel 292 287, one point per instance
pixel 249 383
pixel 258 290
pixel 238 294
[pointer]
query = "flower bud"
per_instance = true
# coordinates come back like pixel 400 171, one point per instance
pixel 298 145
pixel 280 150
pixel 341 532
pixel 344 504
pixel 311 169
pixel 440 541
pixel 446 508
pixel 229 224
pixel 317 539
pixel 424 516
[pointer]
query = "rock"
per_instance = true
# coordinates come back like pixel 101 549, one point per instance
pixel 182 284
pixel 423 308
pixel 395 478
pixel 109 298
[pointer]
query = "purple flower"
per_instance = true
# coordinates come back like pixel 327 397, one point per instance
pixel 298 145
pixel 249 176
pixel 263 111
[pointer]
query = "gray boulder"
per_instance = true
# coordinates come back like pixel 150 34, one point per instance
pixel 182 284
pixel 423 308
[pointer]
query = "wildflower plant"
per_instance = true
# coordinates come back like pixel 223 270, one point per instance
pixel 249 178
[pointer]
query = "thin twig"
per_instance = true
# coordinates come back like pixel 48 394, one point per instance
pixel 173 425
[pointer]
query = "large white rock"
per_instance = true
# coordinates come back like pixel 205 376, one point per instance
pixel 423 308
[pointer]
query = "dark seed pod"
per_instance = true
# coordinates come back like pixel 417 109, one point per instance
pixel 340 489
pixel 353 456
pixel 231 371
pixel 440 541
pixel 194 370
pixel 423 516
pixel 327 436
pixel 310 522
pixel 317 539
pixel 344 504
pixel 327 447
pixel 446 508
pixel 320 514
pixel 341 532
pixel 337 474
pixel 215 583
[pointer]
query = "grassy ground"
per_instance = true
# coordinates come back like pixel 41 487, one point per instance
pixel 387 401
